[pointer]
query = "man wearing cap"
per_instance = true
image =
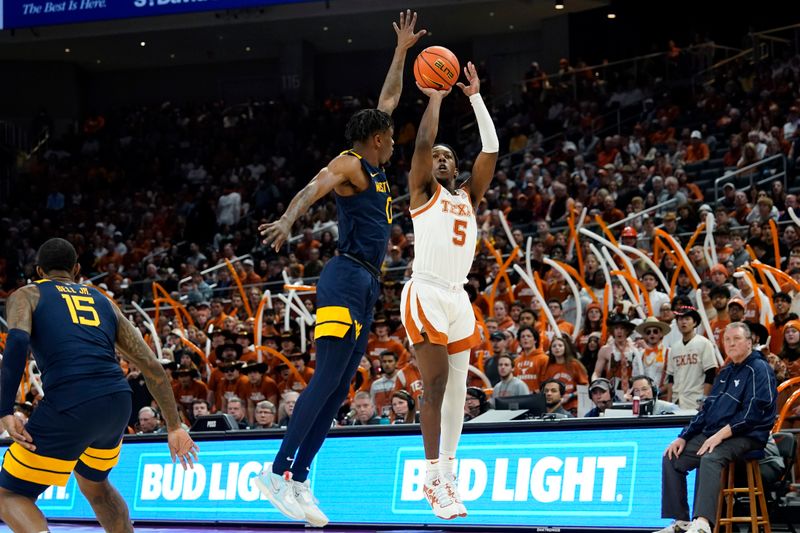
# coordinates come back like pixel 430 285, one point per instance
pixel 395 265
pixel 736 418
pixel 728 200
pixel 600 392
pixel 259 387
pixel 614 360
pixel 249 277
pixel 719 277
pixel 697 150
pixel 227 352
pixel 652 357
pixel 669 221
pixel 692 362
pixel 188 388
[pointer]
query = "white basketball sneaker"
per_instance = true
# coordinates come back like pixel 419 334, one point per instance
pixel 308 503
pixel 439 497
pixel 279 490
pixel 452 487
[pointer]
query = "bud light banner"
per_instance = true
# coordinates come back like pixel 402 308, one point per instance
pixel 590 478
pixel 28 13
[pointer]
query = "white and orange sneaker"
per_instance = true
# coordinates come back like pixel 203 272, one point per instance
pixel 440 498
pixel 452 487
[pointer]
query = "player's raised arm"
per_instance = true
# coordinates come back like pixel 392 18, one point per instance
pixel 483 169
pixel 420 176
pixel 19 313
pixel 338 172
pixel 131 345
pixel 406 38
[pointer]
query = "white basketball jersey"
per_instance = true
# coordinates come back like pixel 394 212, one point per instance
pixel 445 232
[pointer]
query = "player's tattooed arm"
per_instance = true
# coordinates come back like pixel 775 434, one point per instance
pixel 341 170
pixel 20 306
pixel 132 346
pixel 406 38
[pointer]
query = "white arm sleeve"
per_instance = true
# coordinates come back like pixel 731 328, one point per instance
pixel 489 140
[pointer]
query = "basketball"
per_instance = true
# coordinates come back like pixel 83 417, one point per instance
pixel 436 67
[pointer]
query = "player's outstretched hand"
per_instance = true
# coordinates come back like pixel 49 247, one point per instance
pixel 182 447
pixel 432 93
pixel 474 85
pixel 275 233
pixel 16 430
pixel 406 38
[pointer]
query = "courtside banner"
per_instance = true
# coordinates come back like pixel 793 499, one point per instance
pixel 548 479
pixel 30 13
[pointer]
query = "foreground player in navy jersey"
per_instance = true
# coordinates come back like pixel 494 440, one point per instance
pixel 348 287
pixel 78 425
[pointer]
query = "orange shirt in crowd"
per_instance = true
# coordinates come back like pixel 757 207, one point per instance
pixel 292 383
pixel 410 380
pixel 185 396
pixel 266 390
pixel 530 369
pixel 776 338
pixel 571 375
pixel 718 326
pixel 696 153
pixel 228 389
pixel 375 348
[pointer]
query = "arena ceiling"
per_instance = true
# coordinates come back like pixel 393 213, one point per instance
pixel 335 26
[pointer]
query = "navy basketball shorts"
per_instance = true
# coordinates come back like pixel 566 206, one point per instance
pixel 86 438
pixel 346 296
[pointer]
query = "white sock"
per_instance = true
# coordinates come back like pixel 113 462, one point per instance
pixel 447 463
pixel 432 469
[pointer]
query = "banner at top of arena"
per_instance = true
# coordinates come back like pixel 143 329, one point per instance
pixel 32 13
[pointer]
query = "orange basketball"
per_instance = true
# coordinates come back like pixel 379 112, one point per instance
pixel 436 67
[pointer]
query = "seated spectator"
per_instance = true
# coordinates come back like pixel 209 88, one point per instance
pixel 508 384
pixel 238 411
pixel 644 387
pixel 697 150
pixel 553 391
pixel 403 408
pixel 265 414
pixel 381 389
pixel 734 421
pixel 149 421
pixel 200 408
pixel 475 403
pixel 600 393
pixel 365 410
pixel 288 401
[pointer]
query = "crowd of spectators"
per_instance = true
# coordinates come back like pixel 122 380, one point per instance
pixel 161 194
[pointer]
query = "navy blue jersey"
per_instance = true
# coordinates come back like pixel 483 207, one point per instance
pixel 366 218
pixel 73 335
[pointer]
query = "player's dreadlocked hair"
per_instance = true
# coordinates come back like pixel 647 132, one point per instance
pixel 366 123
pixel 56 254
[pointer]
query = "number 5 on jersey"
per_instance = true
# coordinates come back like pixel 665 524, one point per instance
pixel 460 236
pixel 83 305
